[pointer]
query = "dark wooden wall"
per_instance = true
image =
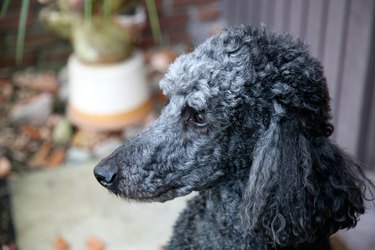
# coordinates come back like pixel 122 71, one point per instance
pixel 341 35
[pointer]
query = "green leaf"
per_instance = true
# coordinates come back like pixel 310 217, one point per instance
pixel 88 10
pixel 22 30
pixel 154 21
pixel 107 7
pixel 4 8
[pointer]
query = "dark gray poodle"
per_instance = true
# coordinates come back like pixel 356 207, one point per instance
pixel 247 126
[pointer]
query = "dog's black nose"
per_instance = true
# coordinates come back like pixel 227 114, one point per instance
pixel 105 174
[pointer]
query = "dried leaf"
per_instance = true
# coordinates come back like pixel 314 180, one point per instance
pixel 57 157
pixel 6 90
pixel 60 244
pixel 44 81
pixel 31 131
pixel 87 139
pixel 93 243
pixel 5 167
pixel 40 159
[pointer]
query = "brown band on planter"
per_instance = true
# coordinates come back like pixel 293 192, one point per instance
pixel 108 122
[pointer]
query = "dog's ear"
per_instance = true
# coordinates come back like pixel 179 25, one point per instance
pixel 300 188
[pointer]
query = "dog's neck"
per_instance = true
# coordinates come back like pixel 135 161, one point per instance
pixel 223 204
pixel 225 197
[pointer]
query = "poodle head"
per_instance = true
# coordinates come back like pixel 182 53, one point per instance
pixel 253 106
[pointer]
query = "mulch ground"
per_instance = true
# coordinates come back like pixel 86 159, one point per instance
pixel 7 235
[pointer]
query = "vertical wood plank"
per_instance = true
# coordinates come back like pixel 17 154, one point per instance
pixel 323 30
pixel 354 73
pixel 231 11
pixel 264 12
pixel 369 147
pixel 314 25
pixel 296 16
pixel 243 12
pixel 228 11
pixel 305 16
pixel 270 6
pixel 334 48
pixel 286 15
pixel 369 157
pixel 255 6
pixel 366 147
pixel 279 16
pixel 246 8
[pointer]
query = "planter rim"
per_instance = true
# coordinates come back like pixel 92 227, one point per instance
pixel 128 60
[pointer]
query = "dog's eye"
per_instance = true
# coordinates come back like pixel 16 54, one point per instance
pixel 166 101
pixel 194 118
pixel 199 119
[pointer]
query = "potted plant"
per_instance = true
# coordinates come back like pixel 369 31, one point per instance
pixel 107 81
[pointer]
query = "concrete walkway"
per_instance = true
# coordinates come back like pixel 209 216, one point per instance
pixel 68 202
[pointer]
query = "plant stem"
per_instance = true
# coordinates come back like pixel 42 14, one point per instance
pixel 4 8
pixel 154 21
pixel 88 10
pixel 107 9
pixel 22 30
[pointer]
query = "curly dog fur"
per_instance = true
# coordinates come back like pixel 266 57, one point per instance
pixel 247 125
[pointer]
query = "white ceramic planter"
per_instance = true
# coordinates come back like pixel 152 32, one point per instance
pixel 108 96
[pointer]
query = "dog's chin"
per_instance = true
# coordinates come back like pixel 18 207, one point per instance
pixel 161 196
